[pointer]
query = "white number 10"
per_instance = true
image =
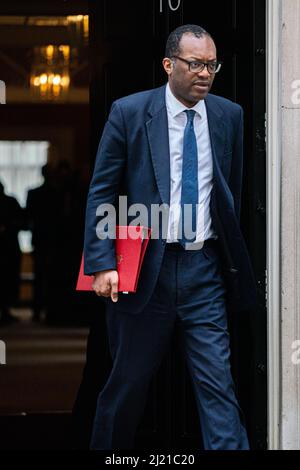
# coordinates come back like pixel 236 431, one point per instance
pixel 170 5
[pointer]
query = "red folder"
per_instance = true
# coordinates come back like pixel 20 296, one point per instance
pixel 130 246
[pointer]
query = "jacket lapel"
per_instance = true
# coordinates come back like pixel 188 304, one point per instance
pixel 216 130
pixel 216 126
pixel 158 136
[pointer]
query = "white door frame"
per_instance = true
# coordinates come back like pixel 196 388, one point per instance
pixel 274 145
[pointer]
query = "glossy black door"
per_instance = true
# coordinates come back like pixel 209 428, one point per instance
pixel 127 46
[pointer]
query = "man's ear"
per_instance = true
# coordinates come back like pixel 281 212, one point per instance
pixel 168 65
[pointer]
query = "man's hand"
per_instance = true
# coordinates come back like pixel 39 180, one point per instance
pixel 106 284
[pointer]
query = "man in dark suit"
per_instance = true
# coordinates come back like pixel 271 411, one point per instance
pixel 180 146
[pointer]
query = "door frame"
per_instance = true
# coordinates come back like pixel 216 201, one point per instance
pixel 274 158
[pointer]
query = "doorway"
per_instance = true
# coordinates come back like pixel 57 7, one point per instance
pixel 127 46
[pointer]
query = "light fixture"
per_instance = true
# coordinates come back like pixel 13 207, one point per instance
pixel 52 64
pixel 50 75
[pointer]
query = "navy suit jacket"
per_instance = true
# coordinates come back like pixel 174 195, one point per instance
pixel 133 159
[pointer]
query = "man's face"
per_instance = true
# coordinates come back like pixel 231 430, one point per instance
pixel 190 87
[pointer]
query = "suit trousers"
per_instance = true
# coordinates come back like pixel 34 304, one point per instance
pixel 190 292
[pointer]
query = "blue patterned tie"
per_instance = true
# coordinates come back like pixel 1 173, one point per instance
pixel 189 182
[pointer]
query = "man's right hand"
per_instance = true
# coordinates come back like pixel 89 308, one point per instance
pixel 106 284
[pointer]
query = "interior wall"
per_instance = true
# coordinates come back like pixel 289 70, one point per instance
pixel 67 127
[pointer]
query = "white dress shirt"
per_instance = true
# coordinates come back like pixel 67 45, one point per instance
pixel 177 120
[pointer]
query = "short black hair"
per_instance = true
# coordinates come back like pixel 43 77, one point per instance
pixel 172 46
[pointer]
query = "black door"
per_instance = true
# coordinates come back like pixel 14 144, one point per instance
pixel 127 46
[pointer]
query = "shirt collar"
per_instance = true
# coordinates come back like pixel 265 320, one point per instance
pixel 175 107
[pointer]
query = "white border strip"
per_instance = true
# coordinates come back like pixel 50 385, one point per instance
pixel 274 131
pixel 2 92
